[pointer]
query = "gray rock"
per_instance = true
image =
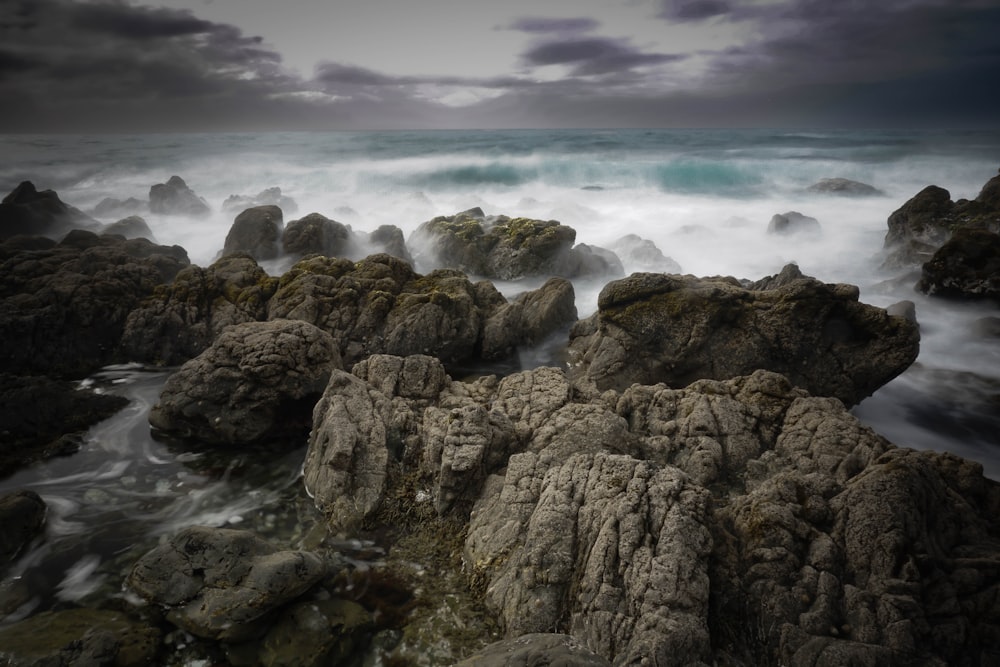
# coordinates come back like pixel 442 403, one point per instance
pixel 112 208
pixel 845 187
pixel 266 197
pixel 641 254
pixel 256 232
pixel 316 234
pixel 389 239
pixel 529 319
pixel 22 515
pixel 967 266
pixel 535 649
pixel 653 328
pixel 175 198
pixel 132 227
pixel 26 211
pixel 177 322
pixel 793 222
pixel 257 381
pixel 223 584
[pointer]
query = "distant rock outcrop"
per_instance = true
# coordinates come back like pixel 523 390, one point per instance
pixel 26 211
pixel 175 198
pixel 844 187
pixel 266 197
pixel 639 254
pixel 793 222
pixel 132 227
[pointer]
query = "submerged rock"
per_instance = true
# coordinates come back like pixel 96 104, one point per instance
pixel 845 187
pixel 257 381
pixel 966 266
pixel 793 222
pixel 175 198
pixel 26 211
pixel 223 584
pixel 266 197
pixel 676 329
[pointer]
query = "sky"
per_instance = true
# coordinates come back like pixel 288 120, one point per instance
pixel 252 65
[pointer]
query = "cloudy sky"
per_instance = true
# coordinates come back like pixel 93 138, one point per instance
pixel 163 65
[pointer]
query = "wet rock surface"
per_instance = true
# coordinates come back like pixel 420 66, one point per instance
pixel 967 266
pixel 22 515
pixel 256 232
pixel 256 382
pixel 676 329
pixel 27 211
pixel 175 198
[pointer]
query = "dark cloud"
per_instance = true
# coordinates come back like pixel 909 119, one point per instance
pixel 540 25
pixel 593 55
pixel 123 20
pixel 694 10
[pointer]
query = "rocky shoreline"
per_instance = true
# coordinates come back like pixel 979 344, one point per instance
pixel 687 488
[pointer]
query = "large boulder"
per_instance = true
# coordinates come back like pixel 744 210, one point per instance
pixel 256 232
pixel 256 382
pixel 26 211
pixel 223 584
pixel 507 248
pixel 178 321
pixel 175 198
pixel 315 234
pixel 63 307
pixel 921 225
pixel 653 328
pixel 966 266
pixel 793 222
pixel 529 318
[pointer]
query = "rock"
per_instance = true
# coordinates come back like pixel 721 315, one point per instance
pixel 535 649
pixel 44 417
pixel 223 584
pixel 347 460
pixel 79 637
pixel 676 329
pixel 256 382
pixel 177 322
pixel 175 198
pixel 110 207
pixel 793 222
pixel 26 211
pixel 132 227
pixel 312 633
pixel 266 197
pixel 641 254
pixel 507 248
pixel 904 309
pixel 919 227
pixel 256 232
pixel 381 306
pixel 22 515
pixel 529 319
pixel 966 266
pixel 845 187
pixel 316 234
pixel 986 327
pixel 389 239
pixel 63 308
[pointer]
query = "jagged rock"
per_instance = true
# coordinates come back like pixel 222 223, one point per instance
pixel 380 305
pixel 26 211
pixel 316 234
pixel 529 319
pixel 63 307
pixel 676 329
pixel 255 232
pixel 535 649
pixel 507 248
pixel 223 584
pixel 266 197
pixel 175 198
pixel 22 515
pixel 921 225
pixel 179 321
pixel 78 638
pixel 109 207
pixel 641 254
pixel 966 266
pixel 389 239
pixel 132 227
pixel 793 222
pixel 257 381
pixel 844 186
pixel 44 417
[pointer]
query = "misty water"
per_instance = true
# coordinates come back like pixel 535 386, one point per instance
pixel 704 197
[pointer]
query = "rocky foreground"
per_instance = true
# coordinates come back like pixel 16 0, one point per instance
pixel 689 488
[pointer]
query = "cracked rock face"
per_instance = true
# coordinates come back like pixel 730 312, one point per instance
pixel 223 584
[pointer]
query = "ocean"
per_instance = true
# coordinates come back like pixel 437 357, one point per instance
pixel 705 197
